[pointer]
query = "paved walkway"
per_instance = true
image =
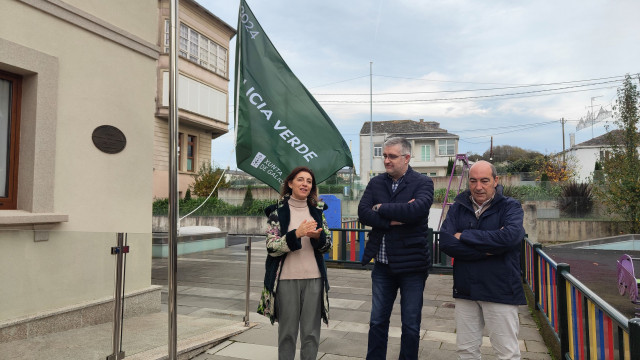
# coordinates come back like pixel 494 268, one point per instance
pixel 211 307
pixel 346 336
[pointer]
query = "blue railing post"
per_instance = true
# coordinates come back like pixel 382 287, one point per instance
pixel 563 324
pixel 536 270
pixel 634 338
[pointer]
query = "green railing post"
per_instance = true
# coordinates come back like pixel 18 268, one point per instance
pixel 634 338
pixel 430 246
pixel 536 270
pixel 343 246
pixel 563 324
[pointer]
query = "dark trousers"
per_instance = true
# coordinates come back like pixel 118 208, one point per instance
pixel 385 287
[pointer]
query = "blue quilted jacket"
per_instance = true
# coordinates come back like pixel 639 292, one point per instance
pixel 487 256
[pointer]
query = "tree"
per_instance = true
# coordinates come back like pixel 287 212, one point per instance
pixel 509 153
pixel 620 190
pixel 248 198
pixel 206 179
pixel 450 164
pixel 555 169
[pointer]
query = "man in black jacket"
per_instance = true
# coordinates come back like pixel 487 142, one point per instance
pixel 396 206
pixel 483 232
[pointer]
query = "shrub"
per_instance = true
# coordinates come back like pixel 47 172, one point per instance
pixel 576 199
pixel 248 199
pixel 213 207
pixel 187 195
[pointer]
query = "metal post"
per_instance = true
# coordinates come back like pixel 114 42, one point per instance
pixel 117 354
pixel 247 248
pixel 343 246
pixel 634 338
pixel 563 324
pixel 173 183
pixel 370 119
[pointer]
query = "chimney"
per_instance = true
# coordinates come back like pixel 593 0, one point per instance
pixel 572 140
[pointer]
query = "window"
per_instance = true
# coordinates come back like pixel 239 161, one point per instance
pixel 446 147
pixel 377 150
pixel 179 147
pixel 10 95
pixel 198 48
pixel 190 155
pixel 191 149
pixel 425 153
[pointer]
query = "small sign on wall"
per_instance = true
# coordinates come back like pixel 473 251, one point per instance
pixel 109 139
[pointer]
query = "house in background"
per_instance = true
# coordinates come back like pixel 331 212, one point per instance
pixel 203 92
pixel 78 81
pixel 431 146
pixel 588 152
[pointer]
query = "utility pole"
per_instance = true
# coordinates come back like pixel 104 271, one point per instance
pixel 491 150
pixel 562 121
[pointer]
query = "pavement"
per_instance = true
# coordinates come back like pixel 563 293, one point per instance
pixel 211 318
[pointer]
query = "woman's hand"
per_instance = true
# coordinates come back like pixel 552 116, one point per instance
pixel 308 228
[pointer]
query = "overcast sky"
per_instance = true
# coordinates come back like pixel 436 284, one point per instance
pixel 507 69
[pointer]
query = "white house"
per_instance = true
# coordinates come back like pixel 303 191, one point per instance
pixel 431 146
pixel 588 152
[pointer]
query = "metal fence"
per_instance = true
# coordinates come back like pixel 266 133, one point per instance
pixel 584 325
pixel 350 240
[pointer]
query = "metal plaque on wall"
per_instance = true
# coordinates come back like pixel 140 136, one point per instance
pixel 109 139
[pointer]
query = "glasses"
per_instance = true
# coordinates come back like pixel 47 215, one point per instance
pixel 392 156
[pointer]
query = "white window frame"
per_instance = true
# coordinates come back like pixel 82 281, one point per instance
pixel 422 153
pixel 199 49
pixel 377 150
pixel 444 145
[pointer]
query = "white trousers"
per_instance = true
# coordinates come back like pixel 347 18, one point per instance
pixel 501 321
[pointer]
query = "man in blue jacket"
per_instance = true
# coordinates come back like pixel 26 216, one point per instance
pixel 396 206
pixel 483 232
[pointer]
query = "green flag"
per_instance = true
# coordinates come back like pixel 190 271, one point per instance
pixel 280 126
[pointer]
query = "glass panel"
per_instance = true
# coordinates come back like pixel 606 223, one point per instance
pixel 5 121
pixel 67 281
pixel 189 164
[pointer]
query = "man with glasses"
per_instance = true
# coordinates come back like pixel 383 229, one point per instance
pixel 396 206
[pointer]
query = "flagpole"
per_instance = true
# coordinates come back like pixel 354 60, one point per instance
pixel 236 105
pixel 173 183
pixel 371 118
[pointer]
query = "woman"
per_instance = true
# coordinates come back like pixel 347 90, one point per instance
pixel 298 233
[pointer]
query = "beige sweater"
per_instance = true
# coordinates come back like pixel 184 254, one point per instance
pixel 300 264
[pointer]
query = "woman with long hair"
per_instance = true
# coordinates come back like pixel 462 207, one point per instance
pixel 296 290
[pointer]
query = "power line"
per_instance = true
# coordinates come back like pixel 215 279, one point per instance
pixel 462 99
pixel 619 78
pixel 469 97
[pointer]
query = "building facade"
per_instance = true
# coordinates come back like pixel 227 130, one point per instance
pixel 586 153
pixel 203 92
pixel 431 146
pixel 67 69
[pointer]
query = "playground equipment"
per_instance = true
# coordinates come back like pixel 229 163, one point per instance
pixel 462 158
pixel 627 280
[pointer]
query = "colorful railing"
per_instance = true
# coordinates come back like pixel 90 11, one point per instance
pixel 585 326
pixel 350 240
